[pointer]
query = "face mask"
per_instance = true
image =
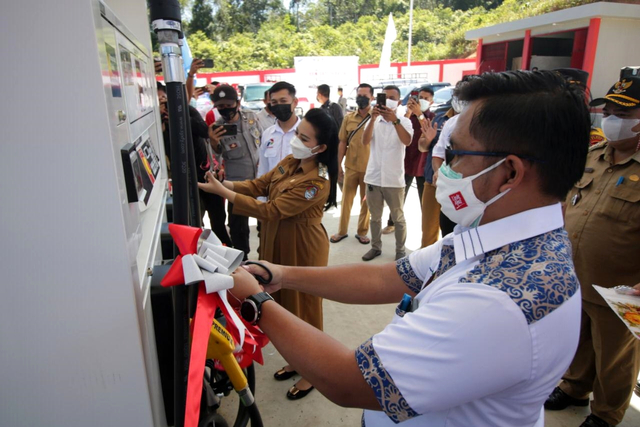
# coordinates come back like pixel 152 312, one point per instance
pixel 228 113
pixel 282 111
pixel 193 102
pixel 299 150
pixel 617 129
pixel 457 198
pixel 362 101
pixel 424 104
pixel 391 104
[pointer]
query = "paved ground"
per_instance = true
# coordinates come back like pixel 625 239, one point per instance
pixel 352 325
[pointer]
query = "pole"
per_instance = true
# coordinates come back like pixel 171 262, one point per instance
pixel 166 22
pixel 410 31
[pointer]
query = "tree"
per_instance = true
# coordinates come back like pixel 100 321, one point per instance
pixel 201 18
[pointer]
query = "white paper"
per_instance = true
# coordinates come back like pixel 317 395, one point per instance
pixel 626 307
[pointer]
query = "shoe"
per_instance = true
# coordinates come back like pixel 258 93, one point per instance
pixel 295 393
pixel 559 400
pixel 283 374
pixel 593 421
pixel 363 239
pixel 389 229
pixel 339 238
pixel 371 254
pixel 400 255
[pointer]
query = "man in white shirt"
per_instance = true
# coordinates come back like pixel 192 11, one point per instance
pixel 275 140
pixel 265 118
pixel 389 134
pixel 489 316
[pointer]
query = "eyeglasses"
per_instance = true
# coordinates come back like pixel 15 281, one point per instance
pixel 449 154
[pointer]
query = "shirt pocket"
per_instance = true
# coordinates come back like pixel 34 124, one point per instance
pixel 579 190
pixel 232 149
pixel 623 202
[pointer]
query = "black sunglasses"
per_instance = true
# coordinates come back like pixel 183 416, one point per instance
pixel 449 154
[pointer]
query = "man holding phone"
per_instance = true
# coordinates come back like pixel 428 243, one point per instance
pixel 236 137
pixel 388 135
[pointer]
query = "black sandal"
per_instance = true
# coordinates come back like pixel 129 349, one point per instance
pixel 339 239
pixel 283 374
pixel 295 393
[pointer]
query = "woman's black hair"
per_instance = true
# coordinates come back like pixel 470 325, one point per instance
pixel 326 133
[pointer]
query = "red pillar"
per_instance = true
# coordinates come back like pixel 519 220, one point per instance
pixel 526 51
pixel 478 56
pixel 591 47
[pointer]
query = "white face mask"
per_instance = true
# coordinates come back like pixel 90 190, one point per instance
pixel 424 104
pixel 391 104
pixel 617 129
pixel 457 198
pixel 299 150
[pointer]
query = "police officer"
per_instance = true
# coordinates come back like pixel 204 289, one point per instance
pixel 603 221
pixel 239 150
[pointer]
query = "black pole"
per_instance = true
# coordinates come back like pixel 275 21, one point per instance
pixel 166 22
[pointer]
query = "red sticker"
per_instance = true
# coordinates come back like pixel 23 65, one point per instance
pixel 458 201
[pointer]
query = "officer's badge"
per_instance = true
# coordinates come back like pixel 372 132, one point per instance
pixel 254 132
pixel 622 86
pixel 323 172
pixel 310 192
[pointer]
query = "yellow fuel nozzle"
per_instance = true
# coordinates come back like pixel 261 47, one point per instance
pixel 221 347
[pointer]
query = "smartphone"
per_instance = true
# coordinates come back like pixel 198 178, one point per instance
pixel 414 95
pixel 230 129
pixel 381 99
pixel 208 63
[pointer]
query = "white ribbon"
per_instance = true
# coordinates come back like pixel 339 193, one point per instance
pixel 213 264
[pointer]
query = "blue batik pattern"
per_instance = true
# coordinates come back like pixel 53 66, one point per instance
pixel 537 273
pixel 408 276
pixel 413 282
pixel 391 400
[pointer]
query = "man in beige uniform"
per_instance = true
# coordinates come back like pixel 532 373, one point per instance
pixel 603 221
pixel 357 157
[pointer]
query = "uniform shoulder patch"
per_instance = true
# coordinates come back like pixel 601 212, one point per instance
pixel 310 192
pixel 597 146
pixel 323 171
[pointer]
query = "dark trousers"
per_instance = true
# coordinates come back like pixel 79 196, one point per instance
pixel 408 180
pixel 214 206
pixel 239 230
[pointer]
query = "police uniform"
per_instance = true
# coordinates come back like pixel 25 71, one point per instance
pixel 292 232
pixel 603 222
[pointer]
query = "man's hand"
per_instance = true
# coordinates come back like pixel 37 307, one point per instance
pixel 340 175
pixel 221 174
pixel 387 114
pixel 276 271
pixel 375 112
pixel 414 107
pixel 435 177
pixel 429 129
pixel 215 135
pixel 212 185
pixel 244 284
pixel 197 92
pixel 196 64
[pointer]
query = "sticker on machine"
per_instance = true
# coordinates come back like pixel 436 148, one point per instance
pixel 310 192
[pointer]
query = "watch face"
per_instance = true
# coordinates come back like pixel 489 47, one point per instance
pixel 249 311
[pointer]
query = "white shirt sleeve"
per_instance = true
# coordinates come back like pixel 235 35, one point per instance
pixel 263 164
pixel 445 137
pixel 465 342
pixel 419 266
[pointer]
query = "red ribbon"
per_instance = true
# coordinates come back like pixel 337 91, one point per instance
pixel 186 238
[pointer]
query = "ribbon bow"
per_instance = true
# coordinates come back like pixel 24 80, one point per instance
pixel 203 260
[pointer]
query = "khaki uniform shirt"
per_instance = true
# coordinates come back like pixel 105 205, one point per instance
pixel 292 231
pixel 357 155
pixel 603 221
pixel 240 152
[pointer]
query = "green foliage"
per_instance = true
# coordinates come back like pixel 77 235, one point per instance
pixel 259 34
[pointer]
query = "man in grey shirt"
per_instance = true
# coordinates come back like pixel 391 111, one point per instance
pixel 239 152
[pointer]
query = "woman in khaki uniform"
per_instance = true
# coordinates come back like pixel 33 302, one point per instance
pixel 300 189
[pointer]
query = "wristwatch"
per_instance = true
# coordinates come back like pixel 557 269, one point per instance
pixel 421 117
pixel 251 308
pixel 396 122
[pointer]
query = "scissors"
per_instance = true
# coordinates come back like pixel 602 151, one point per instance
pixel 259 278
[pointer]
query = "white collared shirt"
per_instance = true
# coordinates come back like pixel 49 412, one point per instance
pixel 275 146
pixel 386 161
pixel 492 328
pixel 445 137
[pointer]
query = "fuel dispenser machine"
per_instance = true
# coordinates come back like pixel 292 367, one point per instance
pixel 84 192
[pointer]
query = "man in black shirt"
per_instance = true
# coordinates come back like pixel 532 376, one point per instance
pixel 331 108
